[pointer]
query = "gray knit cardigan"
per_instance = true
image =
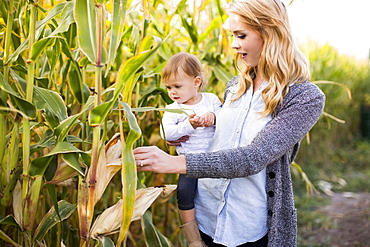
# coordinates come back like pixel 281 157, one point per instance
pixel 275 147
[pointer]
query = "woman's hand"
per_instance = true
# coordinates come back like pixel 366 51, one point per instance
pixel 209 119
pixel 178 141
pixel 155 160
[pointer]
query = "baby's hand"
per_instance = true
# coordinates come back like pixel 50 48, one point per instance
pixel 196 121
pixel 206 120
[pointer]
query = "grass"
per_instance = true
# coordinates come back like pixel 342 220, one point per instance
pixel 345 168
pixel 338 154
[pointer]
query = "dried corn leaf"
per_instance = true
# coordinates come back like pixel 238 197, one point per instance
pixel 146 197
pixel 63 172
pixel 109 164
pixel 110 220
pixel 17 204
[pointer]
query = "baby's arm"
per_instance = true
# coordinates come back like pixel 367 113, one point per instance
pixel 175 127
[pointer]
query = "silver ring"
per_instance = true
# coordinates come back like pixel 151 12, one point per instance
pixel 141 163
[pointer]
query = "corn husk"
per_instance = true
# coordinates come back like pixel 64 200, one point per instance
pixel 110 220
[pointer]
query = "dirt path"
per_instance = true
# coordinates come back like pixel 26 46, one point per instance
pixel 350 216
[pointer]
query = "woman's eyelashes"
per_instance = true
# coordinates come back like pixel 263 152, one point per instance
pixel 240 36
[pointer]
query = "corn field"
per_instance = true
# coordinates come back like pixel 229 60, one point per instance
pixel 76 78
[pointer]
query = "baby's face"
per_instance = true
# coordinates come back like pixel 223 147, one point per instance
pixel 183 89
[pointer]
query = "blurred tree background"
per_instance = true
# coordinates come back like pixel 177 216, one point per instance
pixel 74 78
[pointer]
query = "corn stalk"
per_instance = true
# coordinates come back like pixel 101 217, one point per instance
pixel 30 189
pixel 5 166
pixel 83 128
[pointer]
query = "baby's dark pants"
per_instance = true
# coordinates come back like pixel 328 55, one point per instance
pixel 186 189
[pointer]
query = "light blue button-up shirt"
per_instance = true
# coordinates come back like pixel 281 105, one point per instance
pixel 234 211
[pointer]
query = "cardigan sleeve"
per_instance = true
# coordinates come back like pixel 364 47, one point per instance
pixel 300 110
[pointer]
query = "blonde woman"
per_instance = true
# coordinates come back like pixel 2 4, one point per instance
pixel 244 195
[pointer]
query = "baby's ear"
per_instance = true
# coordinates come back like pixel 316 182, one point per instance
pixel 197 81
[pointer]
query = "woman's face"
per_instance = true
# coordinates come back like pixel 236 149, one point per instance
pixel 247 42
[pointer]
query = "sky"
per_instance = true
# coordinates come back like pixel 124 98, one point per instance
pixel 341 23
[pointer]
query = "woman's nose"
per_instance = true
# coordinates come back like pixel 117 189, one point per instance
pixel 235 44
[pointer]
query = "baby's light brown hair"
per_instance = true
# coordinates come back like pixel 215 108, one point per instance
pixel 189 63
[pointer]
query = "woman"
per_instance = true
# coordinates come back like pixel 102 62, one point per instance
pixel 245 195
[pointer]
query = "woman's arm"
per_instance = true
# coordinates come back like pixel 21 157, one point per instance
pixel 301 109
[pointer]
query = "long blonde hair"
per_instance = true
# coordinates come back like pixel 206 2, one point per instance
pixel 281 62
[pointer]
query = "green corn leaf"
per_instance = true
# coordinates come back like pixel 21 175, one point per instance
pixel 128 172
pixel 208 50
pixel 66 19
pixel 63 148
pixel 66 49
pixel 40 46
pixel 52 104
pixel 46 141
pixel 152 236
pixel 222 73
pixel 127 70
pixel 51 218
pixel 72 161
pixel 62 130
pixel 119 12
pixel 187 112
pixel 189 25
pixel 53 195
pixel 39 26
pixel 127 91
pixel 147 43
pixel 79 90
pixel 65 126
pixel 220 8
pixel 9 167
pixel 39 165
pixel 214 25
pixel 9 220
pixel 6 87
pixel 86 158
pixel 85 16
pixel 99 113
pixel 51 165
pixel 105 242
pixel 132 65
pixel 23 105
pixel 156 91
pixel 52 13
pixel 6 238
